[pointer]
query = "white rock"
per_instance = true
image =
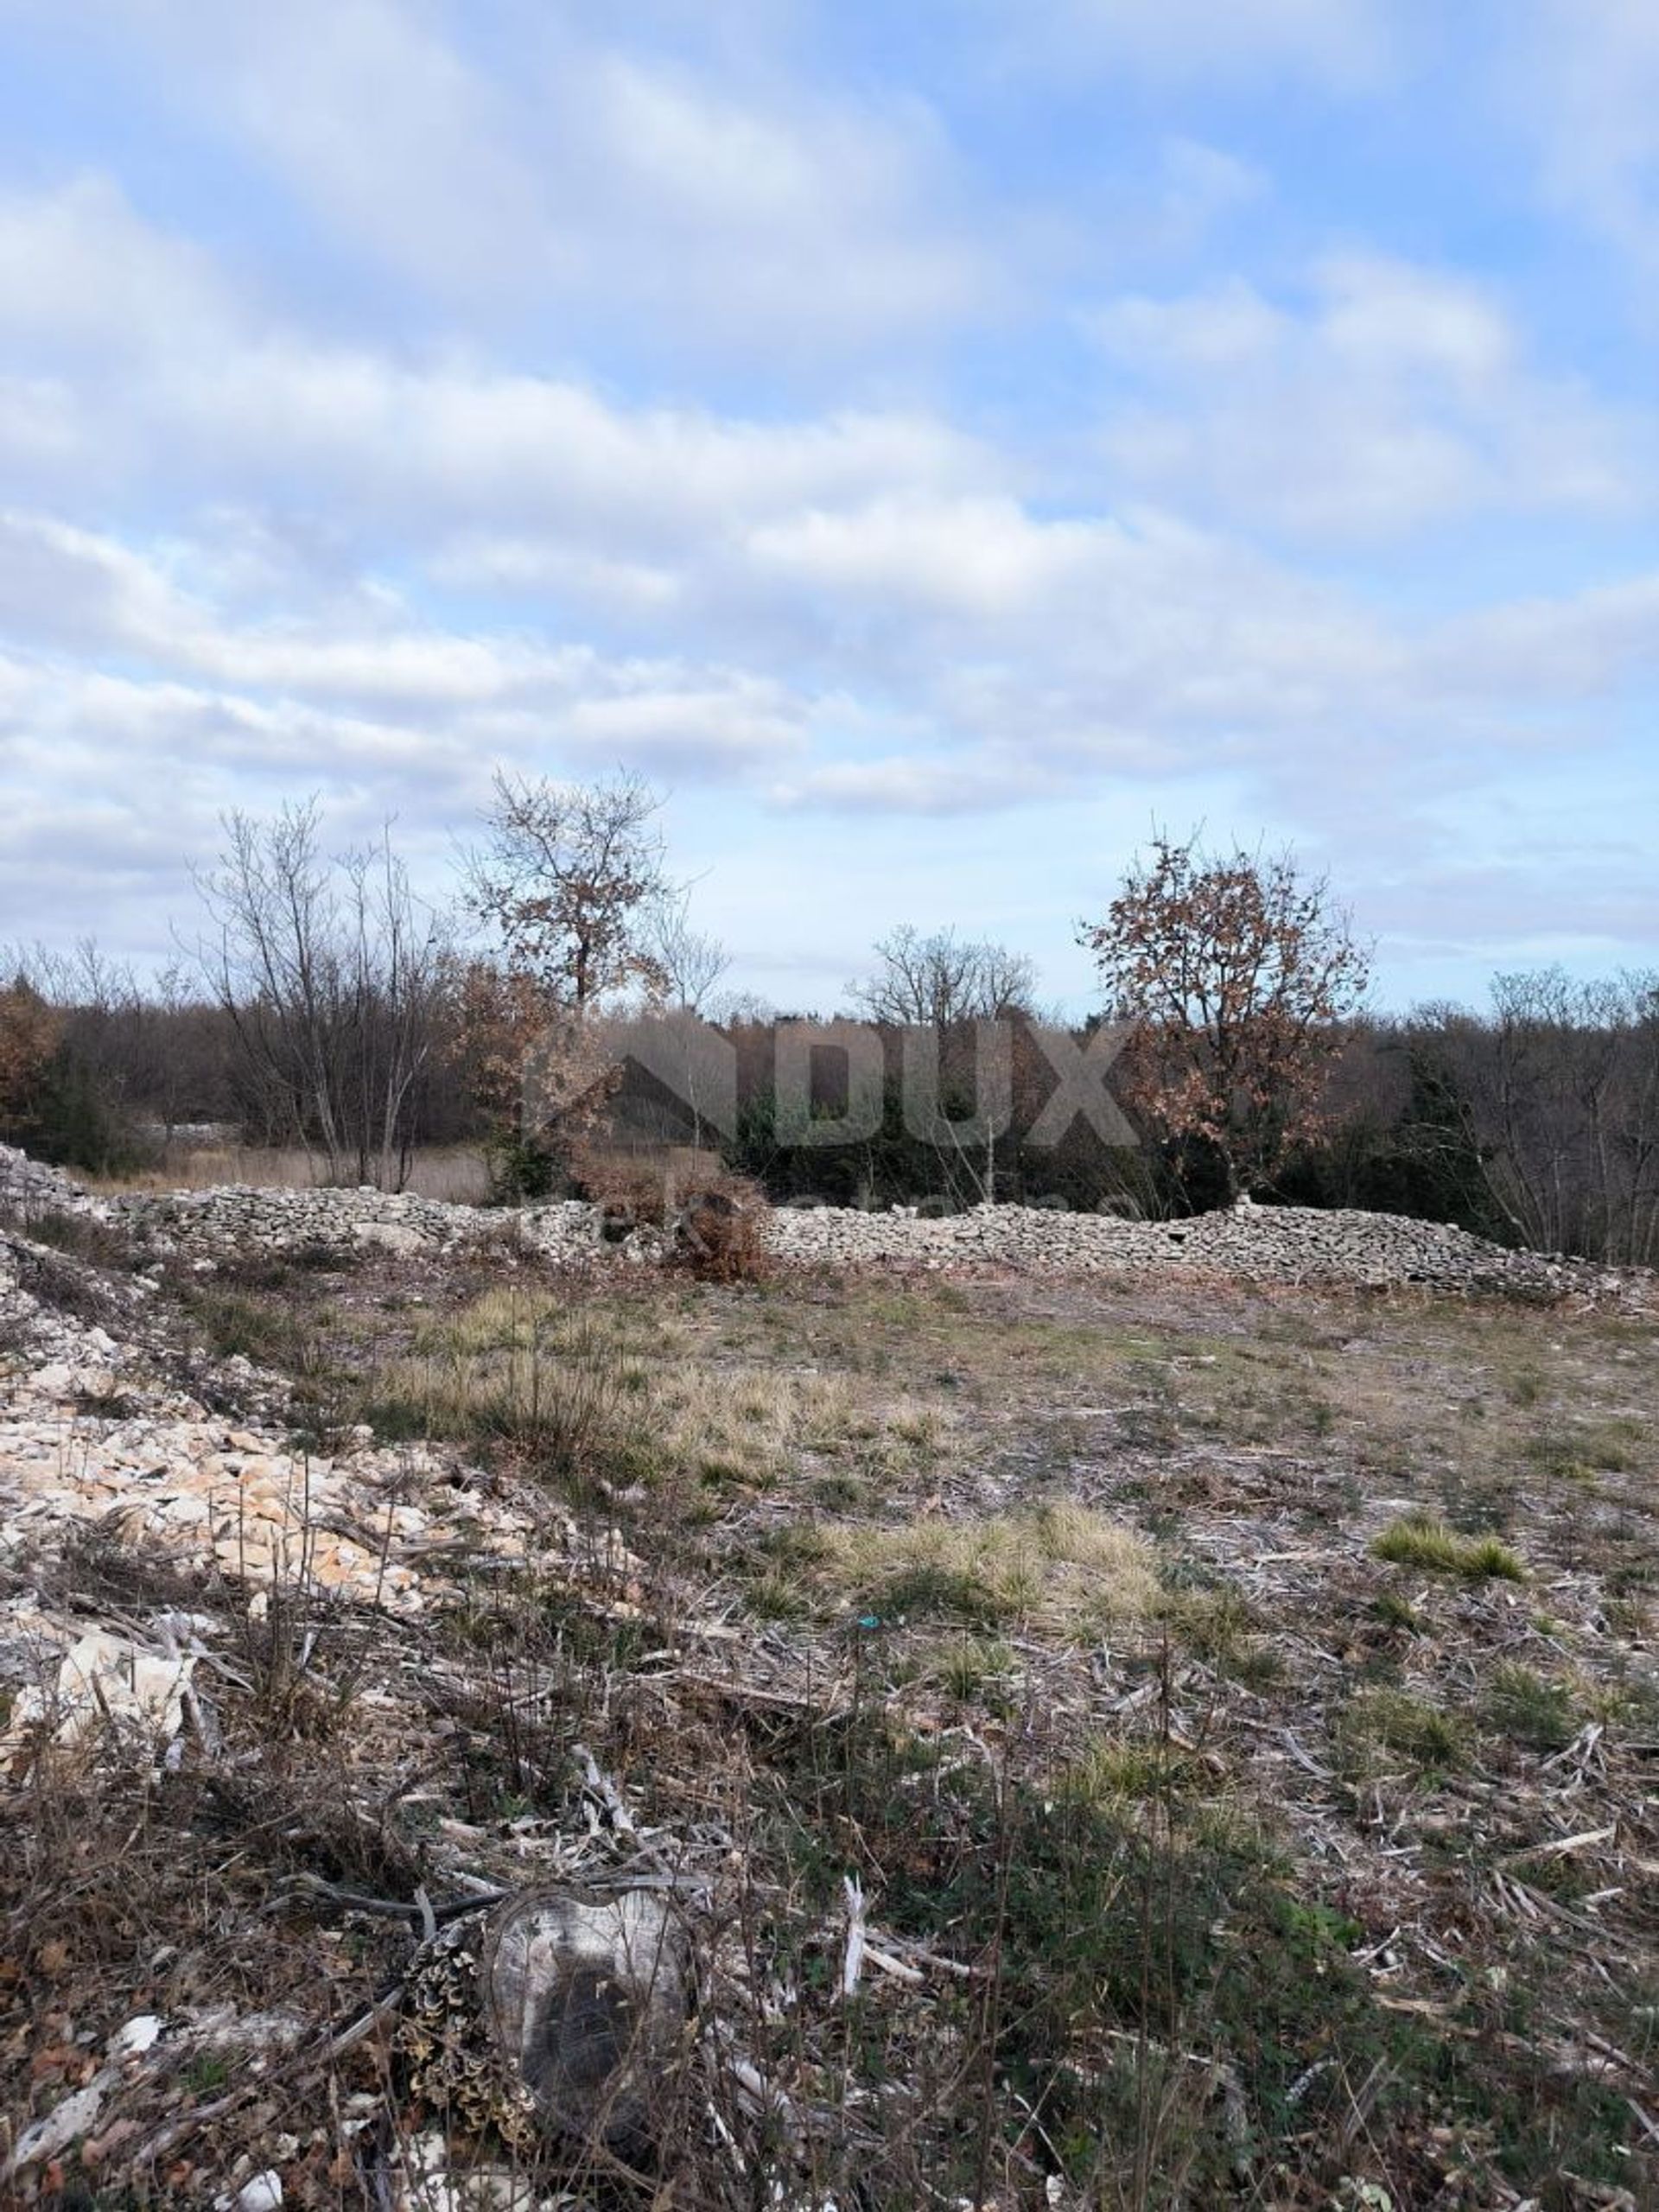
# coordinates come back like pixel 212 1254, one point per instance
pixel 102 1676
pixel 76 2115
pixel 137 2036
pixel 262 2193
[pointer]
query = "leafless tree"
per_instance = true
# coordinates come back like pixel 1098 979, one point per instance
pixel 332 977
pixel 944 980
pixel 1563 1085
pixel 948 985
pixel 689 964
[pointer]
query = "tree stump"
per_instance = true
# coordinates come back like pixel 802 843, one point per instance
pixel 587 2004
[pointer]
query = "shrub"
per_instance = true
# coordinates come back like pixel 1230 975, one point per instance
pixel 631 1187
pixel 720 1236
pixel 519 1170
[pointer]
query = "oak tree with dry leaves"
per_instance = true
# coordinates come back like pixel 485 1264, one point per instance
pixel 1237 973
pixel 567 882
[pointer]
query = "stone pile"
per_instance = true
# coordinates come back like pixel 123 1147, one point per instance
pixel 215 1223
pixel 1268 1245
pixel 29 1186
pixel 92 1432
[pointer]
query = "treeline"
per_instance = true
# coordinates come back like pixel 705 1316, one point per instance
pixel 319 1003
pixel 1536 1124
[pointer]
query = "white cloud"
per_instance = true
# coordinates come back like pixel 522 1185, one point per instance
pixel 1347 43
pixel 81 271
pixel 1584 75
pixel 341 701
pixel 1394 396
pixel 918 784
pixel 175 382
pixel 964 557
pixel 592 175
pixel 1572 648
pixel 1199 186
pixel 378 567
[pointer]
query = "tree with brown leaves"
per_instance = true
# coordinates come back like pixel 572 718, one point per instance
pixel 30 1031
pixel 1238 973
pixel 567 881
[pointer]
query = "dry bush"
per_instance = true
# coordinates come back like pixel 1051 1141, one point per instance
pixel 634 1187
pixel 720 1235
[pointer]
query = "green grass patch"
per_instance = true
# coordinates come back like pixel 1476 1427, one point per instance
pixel 1384 1724
pixel 1433 1545
pixel 1529 1709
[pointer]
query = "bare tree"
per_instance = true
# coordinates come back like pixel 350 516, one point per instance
pixel 951 985
pixel 1239 973
pixel 941 981
pixel 399 969
pixel 331 975
pixel 1564 1090
pixel 689 964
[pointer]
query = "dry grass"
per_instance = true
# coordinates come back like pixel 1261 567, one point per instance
pixel 615 1389
pixel 1061 1570
pixel 455 1173
pixel 1199 1866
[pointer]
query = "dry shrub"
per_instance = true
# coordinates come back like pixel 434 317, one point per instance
pixel 630 1187
pixel 721 1235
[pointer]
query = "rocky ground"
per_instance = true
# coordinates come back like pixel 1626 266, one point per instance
pixel 1117 1713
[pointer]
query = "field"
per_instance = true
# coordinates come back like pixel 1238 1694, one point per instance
pixel 456 1174
pixel 1111 1747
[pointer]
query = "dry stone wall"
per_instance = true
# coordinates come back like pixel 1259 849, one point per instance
pixel 1275 1244
pixel 1271 1244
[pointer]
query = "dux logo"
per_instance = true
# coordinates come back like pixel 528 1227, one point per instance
pixel 852 1063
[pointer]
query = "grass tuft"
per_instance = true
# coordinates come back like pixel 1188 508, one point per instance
pixel 1062 1568
pixel 1529 1709
pixel 1419 1540
pixel 1409 1727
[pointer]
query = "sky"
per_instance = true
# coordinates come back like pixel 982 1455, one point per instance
pixel 935 442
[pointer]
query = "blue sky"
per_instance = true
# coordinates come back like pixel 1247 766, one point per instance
pixel 933 442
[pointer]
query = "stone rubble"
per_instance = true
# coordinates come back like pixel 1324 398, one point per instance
pixel 242 1220
pixel 29 1186
pixel 1262 1244
pixel 96 1436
